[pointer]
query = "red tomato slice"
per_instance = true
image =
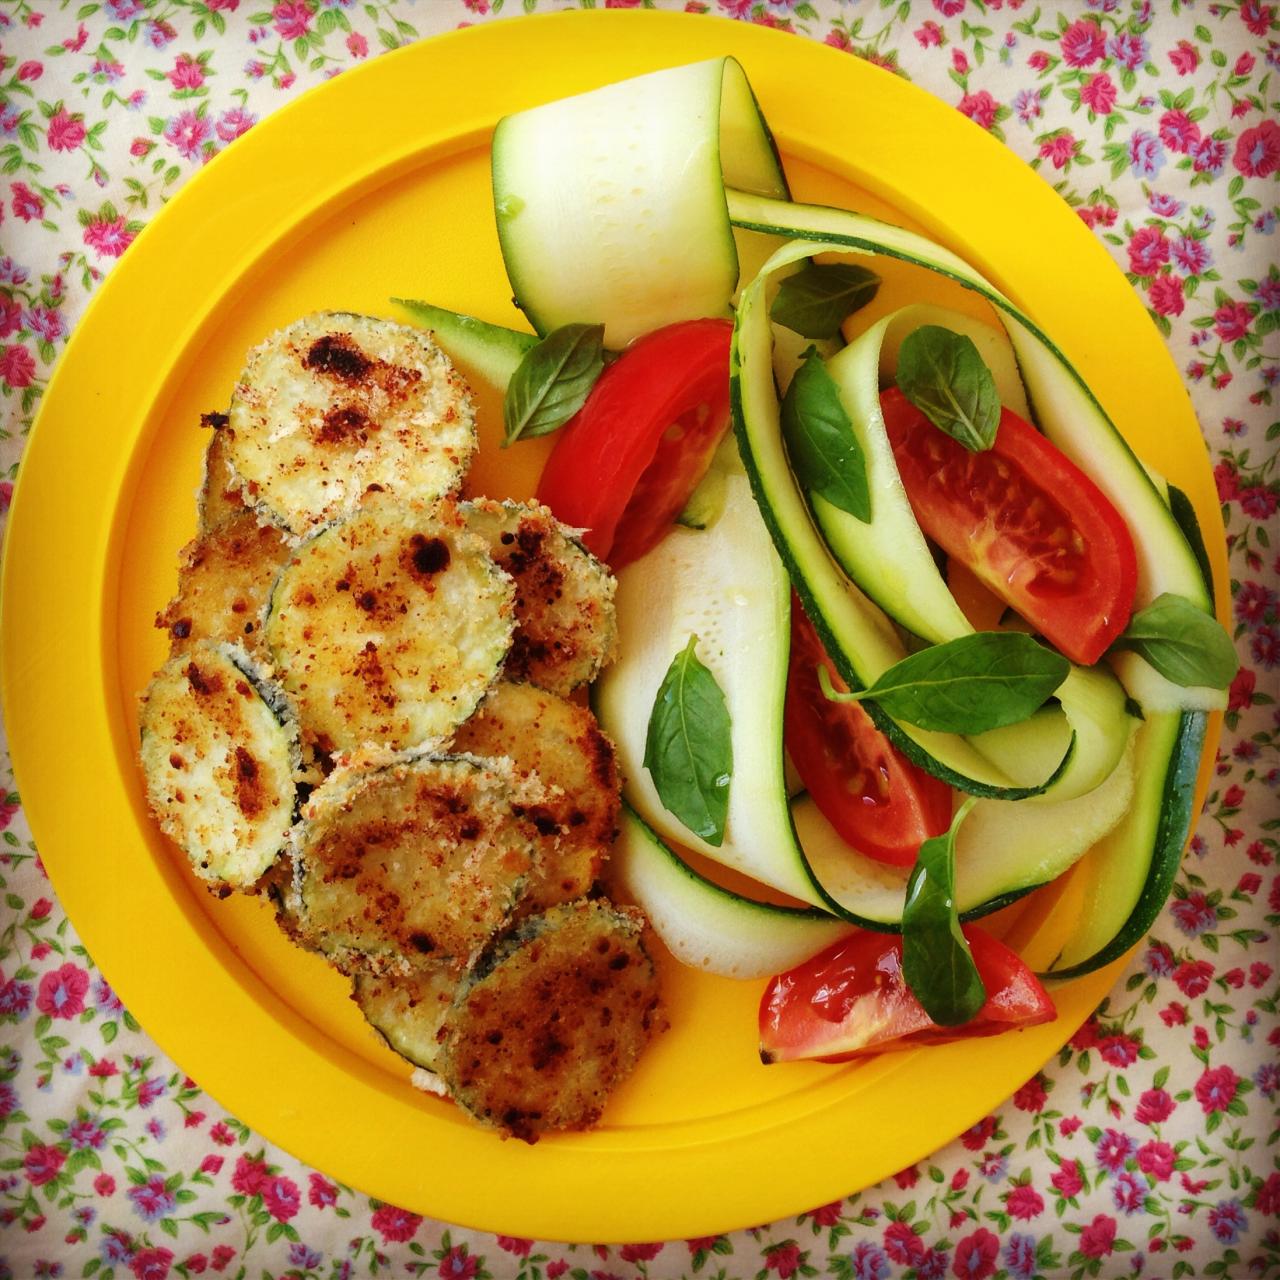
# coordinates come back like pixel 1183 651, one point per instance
pixel 852 999
pixel 624 466
pixel 878 801
pixel 1028 522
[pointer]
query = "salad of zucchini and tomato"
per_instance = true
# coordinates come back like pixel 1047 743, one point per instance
pixel 905 628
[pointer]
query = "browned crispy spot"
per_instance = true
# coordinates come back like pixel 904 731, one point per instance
pixel 335 354
pixel 250 796
pixel 203 682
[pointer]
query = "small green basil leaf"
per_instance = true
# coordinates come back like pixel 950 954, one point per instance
pixel 936 961
pixel 943 375
pixel 822 446
pixel 1183 643
pixel 552 381
pixel 689 747
pixel 815 301
pixel 978 682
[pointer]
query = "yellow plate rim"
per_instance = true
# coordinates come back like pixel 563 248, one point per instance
pixel 60 578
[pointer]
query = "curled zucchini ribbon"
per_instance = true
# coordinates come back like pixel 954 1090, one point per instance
pixel 657 200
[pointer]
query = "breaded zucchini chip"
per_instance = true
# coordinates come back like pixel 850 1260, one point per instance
pixel 219 753
pixel 408 1009
pixel 335 405
pixel 224 584
pixel 389 627
pixel 551 1020
pixel 566 627
pixel 219 497
pixel 559 743
pixel 421 857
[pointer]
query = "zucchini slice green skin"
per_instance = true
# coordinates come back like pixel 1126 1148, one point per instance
pixel 706 926
pixel 725 585
pixel 1067 412
pixel 855 633
pixel 1003 850
pixel 490 350
pixel 582 235
pixel 1173 828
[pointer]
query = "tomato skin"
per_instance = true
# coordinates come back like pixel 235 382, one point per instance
pixel 852 1000
pixel 1026 520
pixel 624 466
pixel 877 800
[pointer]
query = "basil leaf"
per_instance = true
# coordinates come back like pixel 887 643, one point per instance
pixel 1182 642
pixel 936 961
pixel 816 299
pixel 824 451
pixel 689 748
pixel 943 375
pixel 978 682
pixel 552 381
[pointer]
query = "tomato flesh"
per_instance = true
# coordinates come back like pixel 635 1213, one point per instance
pixel 875 798
pixel 624 466
pixel 852 999
pixel 1026 520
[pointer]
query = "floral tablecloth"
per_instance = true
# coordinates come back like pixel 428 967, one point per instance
pixel 1150 1145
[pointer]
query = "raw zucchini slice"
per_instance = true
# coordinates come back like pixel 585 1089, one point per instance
pixel 336 405
pixel 389 627
pixel 611 205
pixel 1003 850
pixel 566 627
pixel 219 753
pixel 725 585
pixel 408 1009
pixel 549 1022
pixel 706 926
pixel 889 557
pixel 1063 406
pixel 1047 755
pixel 486 349
pixel 422 857
pixel 556 746
pixel 224 584
pixel 1127 877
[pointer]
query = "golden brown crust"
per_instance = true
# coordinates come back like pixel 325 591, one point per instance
pixel 560 745
pixel 565 624
pixel 335 406
pixel 219 496
pixel 225 578
pixel 219 766
pixel 539 1039
pixel 422 858
pixel 388 628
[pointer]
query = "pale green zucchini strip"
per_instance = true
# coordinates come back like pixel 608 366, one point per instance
pixel 856 633
pixel 890 559
pixel 1003 850
pixel 726 586
pixel 706 926
pixel 1066 410
pixel 611 204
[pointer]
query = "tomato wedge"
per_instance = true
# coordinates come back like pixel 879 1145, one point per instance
pixel 877 800
pixel 1026 520
pixel 624 465
pixel 852 999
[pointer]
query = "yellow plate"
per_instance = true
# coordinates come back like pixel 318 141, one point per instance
pixel 377 185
